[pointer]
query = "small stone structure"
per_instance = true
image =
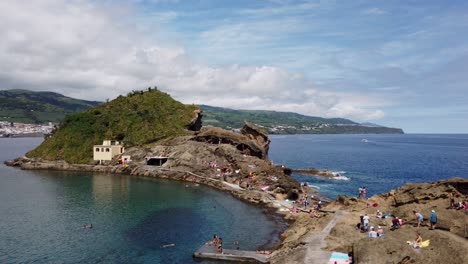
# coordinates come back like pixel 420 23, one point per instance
pixel 106 151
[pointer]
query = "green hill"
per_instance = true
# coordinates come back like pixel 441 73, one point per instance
pixel 38 107
pixel 137 119
pixel 287 123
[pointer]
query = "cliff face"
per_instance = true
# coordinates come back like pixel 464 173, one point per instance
pixel 259 136
pixel 251 142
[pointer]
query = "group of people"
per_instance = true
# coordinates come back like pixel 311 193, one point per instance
pixel 432 219
pixel 364 226
pixel 457 205
pixel 374 234
pixel 397 222
pixel 362 192
pixel 364 223
pixel 217 243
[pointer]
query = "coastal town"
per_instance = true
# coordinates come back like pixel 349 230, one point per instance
pixel 13 129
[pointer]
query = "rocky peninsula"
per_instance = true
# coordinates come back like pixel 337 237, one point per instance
pixel 238 163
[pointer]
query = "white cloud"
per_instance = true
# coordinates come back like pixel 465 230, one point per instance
pixel 83 50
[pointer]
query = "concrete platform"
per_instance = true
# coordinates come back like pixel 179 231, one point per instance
pixel 209 252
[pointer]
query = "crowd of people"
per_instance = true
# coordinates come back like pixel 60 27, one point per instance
pixel 432 218
pixel 313 210
pixel 217 243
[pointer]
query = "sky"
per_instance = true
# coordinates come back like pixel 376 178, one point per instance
pixel 395 63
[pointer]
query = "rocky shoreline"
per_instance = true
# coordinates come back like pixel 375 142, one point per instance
pixel 239 165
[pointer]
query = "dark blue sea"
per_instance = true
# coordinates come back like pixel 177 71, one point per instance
pixel 42 214
pixel 378 162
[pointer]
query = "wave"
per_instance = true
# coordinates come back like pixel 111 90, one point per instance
pixel 338 175
pixel 341 178
pixel 313 186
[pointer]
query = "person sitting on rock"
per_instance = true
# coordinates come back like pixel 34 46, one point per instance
pixel 220 245
pixel 372 233
pixel 379 214
pixel 215 240
pixel 395 223
pixel 417 242
pixel 461 205
pixel 380 231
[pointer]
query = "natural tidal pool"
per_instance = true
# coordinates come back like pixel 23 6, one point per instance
pixel 43 213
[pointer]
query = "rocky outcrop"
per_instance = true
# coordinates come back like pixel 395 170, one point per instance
pixel 196 123
pixel 446 242
pixel 315 172
pixel 247 144
pixel 259 136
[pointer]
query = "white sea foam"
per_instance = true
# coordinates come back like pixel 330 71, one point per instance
pixel 341 178
pixel 313 186
pixel 338 175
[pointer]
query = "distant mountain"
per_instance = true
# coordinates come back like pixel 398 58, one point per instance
pixel 288 123
pixel 39 107
pixel 370 124
pixel 42 107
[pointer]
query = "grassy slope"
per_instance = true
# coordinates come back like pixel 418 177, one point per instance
pixel 138 119
pixel 38 107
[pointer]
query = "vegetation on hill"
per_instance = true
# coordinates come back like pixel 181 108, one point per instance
pixel 41 107
pixel 137 119
pixel 287 123
pixel 38 107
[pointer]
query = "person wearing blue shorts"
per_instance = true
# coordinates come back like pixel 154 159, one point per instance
pixel 419 217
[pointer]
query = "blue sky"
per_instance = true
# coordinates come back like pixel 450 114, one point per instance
pixel 396 63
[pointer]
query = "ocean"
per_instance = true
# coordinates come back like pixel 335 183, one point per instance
pixel 378 162
pixel 42 214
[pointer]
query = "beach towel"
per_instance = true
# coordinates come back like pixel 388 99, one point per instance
pixel 425 243
pixel 422 245
pixel 339 258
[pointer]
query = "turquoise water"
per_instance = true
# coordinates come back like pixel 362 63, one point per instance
pixel 42 214
pixel 378 162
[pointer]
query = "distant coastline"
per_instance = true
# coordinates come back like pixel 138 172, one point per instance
pixel 31 135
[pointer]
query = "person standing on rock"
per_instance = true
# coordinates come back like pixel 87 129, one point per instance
pixel 366 222
pixel 319 205
pixel 433 219
pixel 360 192
pixel 452 199
pixel 419 217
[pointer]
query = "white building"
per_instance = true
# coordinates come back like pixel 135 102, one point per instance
pixel 108 150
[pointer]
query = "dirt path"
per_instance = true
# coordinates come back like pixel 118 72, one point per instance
pixel 316 242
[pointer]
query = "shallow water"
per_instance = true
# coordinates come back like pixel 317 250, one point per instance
pixel 43 212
